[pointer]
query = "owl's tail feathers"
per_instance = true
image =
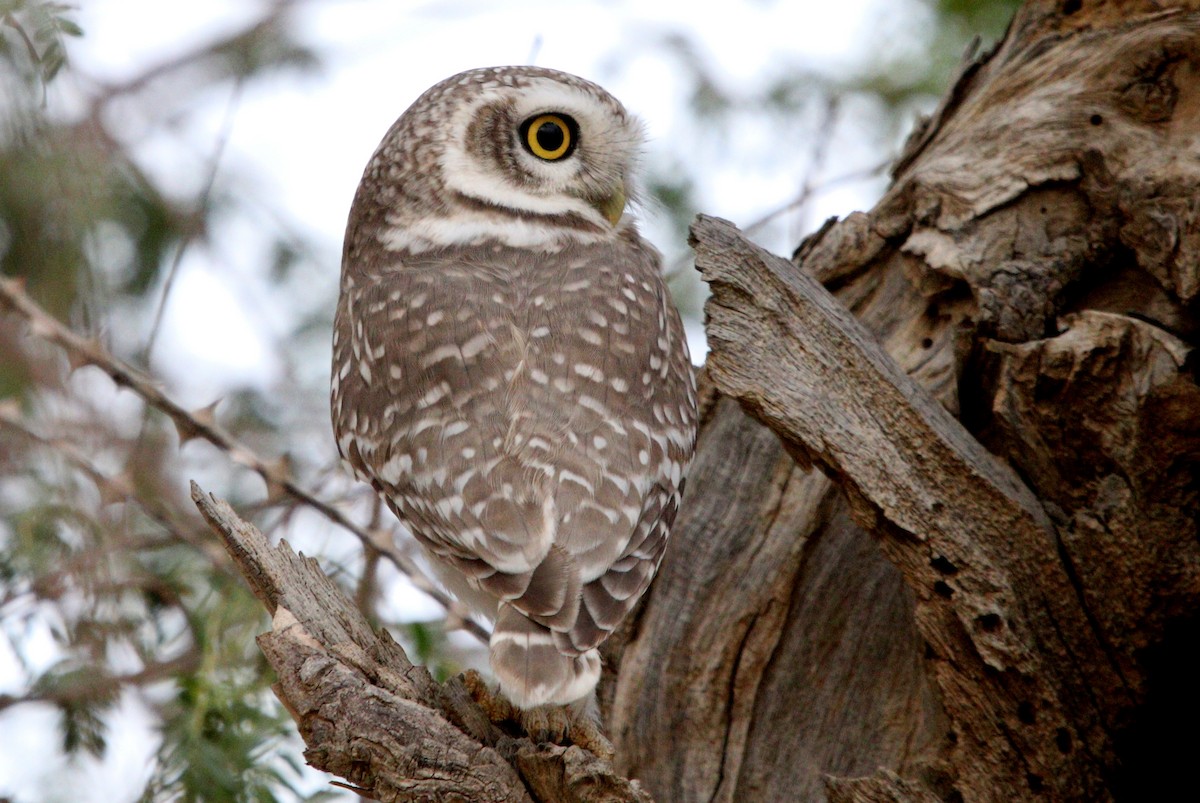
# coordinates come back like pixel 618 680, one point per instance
pixel 530 667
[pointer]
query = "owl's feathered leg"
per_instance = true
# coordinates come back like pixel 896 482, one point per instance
pixel 575 723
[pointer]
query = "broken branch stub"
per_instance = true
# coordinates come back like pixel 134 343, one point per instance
pixel 371 716
pixel 972 542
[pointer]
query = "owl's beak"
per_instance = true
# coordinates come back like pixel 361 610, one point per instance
pixel 612 206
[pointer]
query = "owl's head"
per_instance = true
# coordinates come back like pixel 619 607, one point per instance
pixel 523 155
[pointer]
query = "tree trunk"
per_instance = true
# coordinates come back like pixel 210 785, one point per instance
pixel 944 547
pixel 997 609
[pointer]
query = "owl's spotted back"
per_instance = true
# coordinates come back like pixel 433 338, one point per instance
pixel 509 373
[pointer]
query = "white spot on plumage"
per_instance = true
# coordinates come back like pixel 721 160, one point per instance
pixel 570 476
pixel 588 371
pixel 593 404
pixel 472 348
pixel 457 428
pixel 395 468
pixel 434 395
pixel 449 351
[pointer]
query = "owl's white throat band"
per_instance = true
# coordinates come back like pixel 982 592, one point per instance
pixel 475 228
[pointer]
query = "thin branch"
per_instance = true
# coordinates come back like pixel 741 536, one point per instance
pixel 83 351
pixel 97 685
pixel 202 201
pixel 113 488
pixel 190 58
pixel 30 48
pixel 808 191
pixel 806 194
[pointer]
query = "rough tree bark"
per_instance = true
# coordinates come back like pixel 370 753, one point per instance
pixel 940 538
pixel 942 629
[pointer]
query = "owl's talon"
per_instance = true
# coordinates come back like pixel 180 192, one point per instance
pixel 557 724
pixel 546 723
pixel 586 733
pixel 494 704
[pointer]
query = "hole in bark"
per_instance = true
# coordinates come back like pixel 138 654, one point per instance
pixel 990 622
pixel 1062 738
pixel 955 796
pixel 929 653
pixel 1025 712
pixel 1071 6
pixel 944 566
pixel 927 343
pixel 943 590
pixel 1096 119
pixel 1157 752
pixel 1035 783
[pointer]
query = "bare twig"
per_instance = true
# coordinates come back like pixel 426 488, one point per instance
pixel 83 351
pixel 798 202
pixel 114 487
pixel 97 685
pixel 201 53
pixel 202 201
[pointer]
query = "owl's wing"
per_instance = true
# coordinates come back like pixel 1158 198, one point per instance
pixel 478 435
pixel 608 599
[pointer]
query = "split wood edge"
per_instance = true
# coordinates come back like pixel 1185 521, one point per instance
pixel 369 715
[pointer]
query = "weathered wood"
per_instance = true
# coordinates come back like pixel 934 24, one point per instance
pixel 757 658
pixel 971 541
pixel 369 715
pixel 1035 268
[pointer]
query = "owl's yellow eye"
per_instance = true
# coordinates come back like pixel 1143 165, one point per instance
pixel 549 136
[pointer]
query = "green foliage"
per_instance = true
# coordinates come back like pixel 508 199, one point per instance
pixel 901 77
pixel 426 644
pixel 32 35
pixel 224 726
pixel 98 548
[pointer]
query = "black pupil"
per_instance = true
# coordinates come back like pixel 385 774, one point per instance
pixel 550 136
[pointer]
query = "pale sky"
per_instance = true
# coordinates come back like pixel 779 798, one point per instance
pixel 306 140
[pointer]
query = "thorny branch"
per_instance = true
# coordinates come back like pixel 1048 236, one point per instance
pixel 98 685
pixel 112 487
pixel 201 424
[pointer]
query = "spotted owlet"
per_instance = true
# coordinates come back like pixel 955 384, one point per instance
pixel 508 370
